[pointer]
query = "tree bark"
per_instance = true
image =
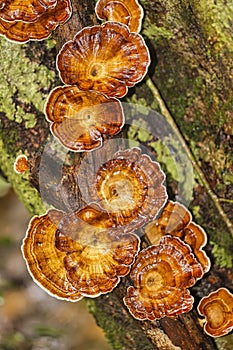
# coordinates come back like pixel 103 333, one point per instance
pixel 191 49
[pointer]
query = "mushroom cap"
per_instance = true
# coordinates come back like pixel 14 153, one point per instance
pixel 27 10
pixel 128 12
pixel 41 28
pixel 217 308
pixel 195 236
pixel 80 119
pixel 130 187
pixel 96 255
pixel 161 275
pixel 106 58
pixel 176 220
pixel 44 261
pixel 21 164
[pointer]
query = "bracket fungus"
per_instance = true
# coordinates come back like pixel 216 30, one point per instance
pixel 161 277
pixel 217 308
pixel 21 31
pixel 130 188
pixel 80 119
pixel 78 254
pixel 128 12
pixel 176 220
pixel 106 58
pixel 27 10
pixel 44 261
pixel 21 164
pixel 96 255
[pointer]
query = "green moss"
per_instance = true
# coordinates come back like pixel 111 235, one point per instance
pixel 222 254
pixel 22 83
pixel 21 185
pixel 153 32
pixel 119 327
pixel 215 17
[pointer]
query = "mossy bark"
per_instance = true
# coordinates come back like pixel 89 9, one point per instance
pixel 191 50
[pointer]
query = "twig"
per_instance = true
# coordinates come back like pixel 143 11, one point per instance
pixel 165 112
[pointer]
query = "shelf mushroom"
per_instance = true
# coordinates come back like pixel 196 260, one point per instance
pixel 217 308
pixel 130 187
pixel 161 277
pixel 27 11
pixel 106 58
pixel 81 119
pixel 44 261
pixel 128 12
pixel 78 254
pixel 39 28
pixel 96 255
pixel 21 164
pixel 176 220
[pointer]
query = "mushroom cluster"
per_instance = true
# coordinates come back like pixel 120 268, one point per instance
pixel 97 67
pixel 78 254
pixel 85 252
pixel 176 220
pixel 32 19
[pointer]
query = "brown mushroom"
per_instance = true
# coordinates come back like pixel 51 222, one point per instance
pixel 195 236
pixel 20 31
pixel 161 277
pixel 217 308
pixel 27 10
pixel 176 220
pixel 106 58
pixel 44 261
pixel 80 119
pixel 21 164
pixel 130 187
pixel 96 255
pixel 128 12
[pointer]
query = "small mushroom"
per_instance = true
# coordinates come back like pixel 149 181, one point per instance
pixel 128 12
pixel 106 58
pixel 176 220
pixel 21 31
pixel 80 119
pixel 21 164
pixel 130 188
pixel 44 261
pixel 217 308
pixel 95 255
pixel 27 10
pixel 161 277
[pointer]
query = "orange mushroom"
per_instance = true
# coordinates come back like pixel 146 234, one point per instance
pixel 21 164
pixel 130 187
pixel 128 12
pixel 176 220
pixel 217 308
pixel 44 261
pixel 96 256
pixel 80 119
pixel 27 10
pixel 161 277
pixel 106 58
pixel 20 31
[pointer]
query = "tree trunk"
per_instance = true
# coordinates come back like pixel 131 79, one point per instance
pixel 191 48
